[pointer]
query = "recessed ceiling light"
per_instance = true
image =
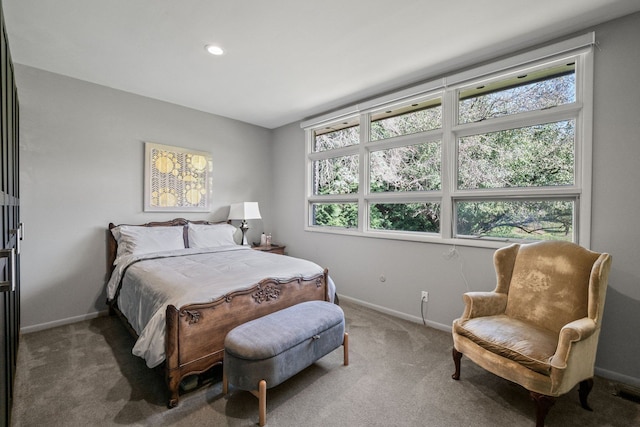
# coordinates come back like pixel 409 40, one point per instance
pixel 214 50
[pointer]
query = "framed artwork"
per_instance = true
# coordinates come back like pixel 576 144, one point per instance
pixel 176 179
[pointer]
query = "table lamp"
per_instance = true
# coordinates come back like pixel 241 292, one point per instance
pixel 244 211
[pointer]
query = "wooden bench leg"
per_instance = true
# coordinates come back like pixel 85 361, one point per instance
pixel 261 394
pixel 345 345
pixel 262 402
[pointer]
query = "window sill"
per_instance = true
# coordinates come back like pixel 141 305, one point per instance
pixel 417 237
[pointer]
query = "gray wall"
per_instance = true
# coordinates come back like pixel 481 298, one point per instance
pixel 81 160
pixel 355 263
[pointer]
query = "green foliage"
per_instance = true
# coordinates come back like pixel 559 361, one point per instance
pixel 530 219
pixel 336 214
pixel 337 175
pixel 406 124
pixel 409 168
pixel 338 138
pixel 422 217
pixel 537 95
pixel 533 156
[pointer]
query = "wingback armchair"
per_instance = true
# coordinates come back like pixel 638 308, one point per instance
pixel 539 328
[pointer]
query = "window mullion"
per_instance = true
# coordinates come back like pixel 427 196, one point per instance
pixel 365 176
pixel 422 196
pixel 530 118
pixel 406 140
pixel 333 198
pixel 448 162
pixel 336 152
pixel 308 181
pixel 584 152
pixel 516 193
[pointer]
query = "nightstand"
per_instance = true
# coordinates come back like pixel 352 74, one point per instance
pixel 274 249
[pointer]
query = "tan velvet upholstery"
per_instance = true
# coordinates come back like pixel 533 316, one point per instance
pixel 539 328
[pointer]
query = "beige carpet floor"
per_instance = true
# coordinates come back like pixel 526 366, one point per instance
pixel 399 375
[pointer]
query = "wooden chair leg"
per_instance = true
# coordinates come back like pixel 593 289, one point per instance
pixel 456 361
pixel 345 345
pixel 543 404
pixel 583 391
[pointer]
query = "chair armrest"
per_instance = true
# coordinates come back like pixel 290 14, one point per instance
pixel 575 331
pixel 479 304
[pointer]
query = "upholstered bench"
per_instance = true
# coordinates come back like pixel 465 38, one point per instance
pixel 267 351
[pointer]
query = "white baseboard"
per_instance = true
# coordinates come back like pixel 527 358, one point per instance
pixel 615 376
pixel 611 375
pixel 401 315
pixel 61 322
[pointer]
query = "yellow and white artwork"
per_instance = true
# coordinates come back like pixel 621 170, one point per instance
pixel 176 179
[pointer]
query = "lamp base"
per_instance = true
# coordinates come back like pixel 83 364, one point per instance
pixel 244 227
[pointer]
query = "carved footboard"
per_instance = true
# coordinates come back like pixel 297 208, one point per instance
pixel 195 334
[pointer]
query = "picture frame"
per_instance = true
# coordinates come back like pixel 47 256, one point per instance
pixel 176 179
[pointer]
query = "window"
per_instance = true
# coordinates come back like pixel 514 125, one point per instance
pixel 498 153
pixel 335 170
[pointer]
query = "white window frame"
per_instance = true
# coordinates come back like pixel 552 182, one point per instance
pixel 578 49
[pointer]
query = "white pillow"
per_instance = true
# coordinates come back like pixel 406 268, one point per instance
pixel 138 240
pixel 211 235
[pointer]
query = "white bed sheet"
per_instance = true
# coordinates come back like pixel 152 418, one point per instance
pixel 188 276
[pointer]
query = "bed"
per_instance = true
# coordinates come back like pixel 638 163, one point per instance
pixel 180 286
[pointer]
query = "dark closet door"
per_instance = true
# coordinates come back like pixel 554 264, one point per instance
pixel 11 229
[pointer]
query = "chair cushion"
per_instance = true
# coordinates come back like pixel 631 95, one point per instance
pixel 522 342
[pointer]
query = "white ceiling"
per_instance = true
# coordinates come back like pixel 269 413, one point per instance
pixel 285 60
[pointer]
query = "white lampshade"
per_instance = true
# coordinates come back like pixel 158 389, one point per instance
pixel 244 210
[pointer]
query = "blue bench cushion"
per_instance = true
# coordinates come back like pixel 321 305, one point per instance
pixel 277 346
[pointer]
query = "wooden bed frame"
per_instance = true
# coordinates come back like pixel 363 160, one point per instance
pixel 195 333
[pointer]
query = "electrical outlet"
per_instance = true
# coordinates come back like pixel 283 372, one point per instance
pixel 425 296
